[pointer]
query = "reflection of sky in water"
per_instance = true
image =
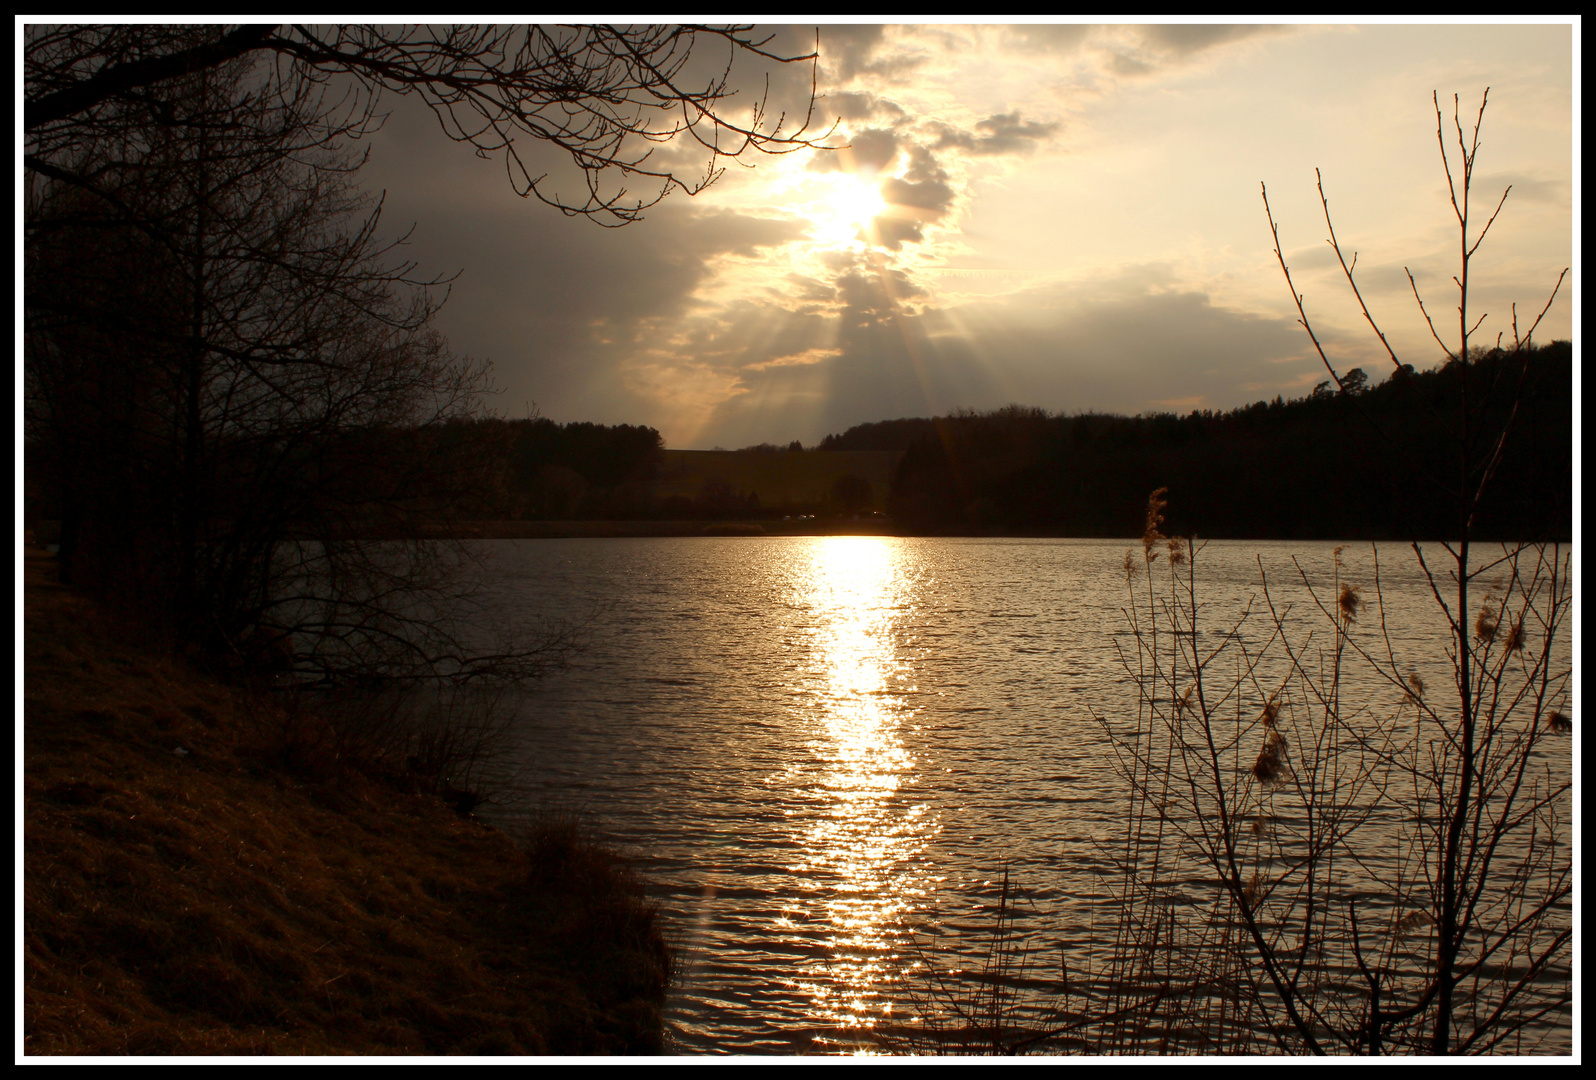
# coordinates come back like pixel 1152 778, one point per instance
pixel 862 847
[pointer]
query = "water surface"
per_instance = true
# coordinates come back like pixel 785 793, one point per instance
pixel 825 753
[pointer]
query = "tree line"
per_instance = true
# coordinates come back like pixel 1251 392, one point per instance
pixel 1319 467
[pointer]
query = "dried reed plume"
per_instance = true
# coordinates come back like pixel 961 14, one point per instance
pixel 1412 923
pixel 1349 602
pixel 1155 517
pixel 1254 886
pixel 1485 624
pixel 1515 637
pixel 1273 763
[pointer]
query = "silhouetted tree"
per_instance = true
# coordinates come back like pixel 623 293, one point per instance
pixel 851 494
pixel 1354 382
pixel 236 388
pixel 215 347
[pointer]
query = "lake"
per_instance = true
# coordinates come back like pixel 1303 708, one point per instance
pixel 825 753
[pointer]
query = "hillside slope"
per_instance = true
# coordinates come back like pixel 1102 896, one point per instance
pixel 193 886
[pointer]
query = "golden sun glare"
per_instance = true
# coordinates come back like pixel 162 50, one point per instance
pixel 846 207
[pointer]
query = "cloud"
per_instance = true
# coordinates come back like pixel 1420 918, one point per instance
pixel 798 359
pixel 1549 191
pixel 868 291
pixel 1005 133
pixel 1139 51
pixel 811 289
pixel 1186 40
pixel 848 51
pixel 923 167
pixel 726 232
pixel 910 206
pixel 867 153
pixel 892 232
pixel 1129 67
pixel 859 105
pixel 1129 343
pixel 931 197
pixel 1051 38
pixel 1008 134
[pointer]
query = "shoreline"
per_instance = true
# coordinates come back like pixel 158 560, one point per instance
pixel 46 533
pixel 563 530
pixel 202 876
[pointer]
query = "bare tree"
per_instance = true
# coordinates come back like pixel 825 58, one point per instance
pixel 607 96
pixel 242 396
pixel 1354 871
pixel 1471 776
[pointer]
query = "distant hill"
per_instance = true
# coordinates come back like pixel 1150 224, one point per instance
pixel 1362 462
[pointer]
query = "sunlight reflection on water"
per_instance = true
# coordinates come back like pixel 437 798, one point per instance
pixel 864 840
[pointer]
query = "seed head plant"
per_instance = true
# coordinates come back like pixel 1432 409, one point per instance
pixel 1306 872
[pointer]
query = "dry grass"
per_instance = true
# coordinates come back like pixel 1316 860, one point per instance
pixel 224 900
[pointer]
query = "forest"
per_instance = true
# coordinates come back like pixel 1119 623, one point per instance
pixel 1338 464
pixel 1345 464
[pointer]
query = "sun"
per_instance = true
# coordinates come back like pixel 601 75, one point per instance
pixel 845 205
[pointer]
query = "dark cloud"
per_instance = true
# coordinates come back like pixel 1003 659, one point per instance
pixel 1155 46
pixel 870 291
pixel 867 153
pixel 559 305
pixel 850 106
pixel 893 232
pixel 846 50
pixel 729 233
pixel 1004 133
pixel 861 106
pixel 923 167
pixel 931 198
pixel 911 204
pixel 1183 41
pixel 811 289
pixel 1129 67
pixel 568 312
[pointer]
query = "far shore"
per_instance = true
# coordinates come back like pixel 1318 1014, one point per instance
pixel 551 530
pixel 46 533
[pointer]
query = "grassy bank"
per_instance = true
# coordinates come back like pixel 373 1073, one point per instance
pixel 195 883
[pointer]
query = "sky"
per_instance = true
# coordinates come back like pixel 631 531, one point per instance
pixel 1060 216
